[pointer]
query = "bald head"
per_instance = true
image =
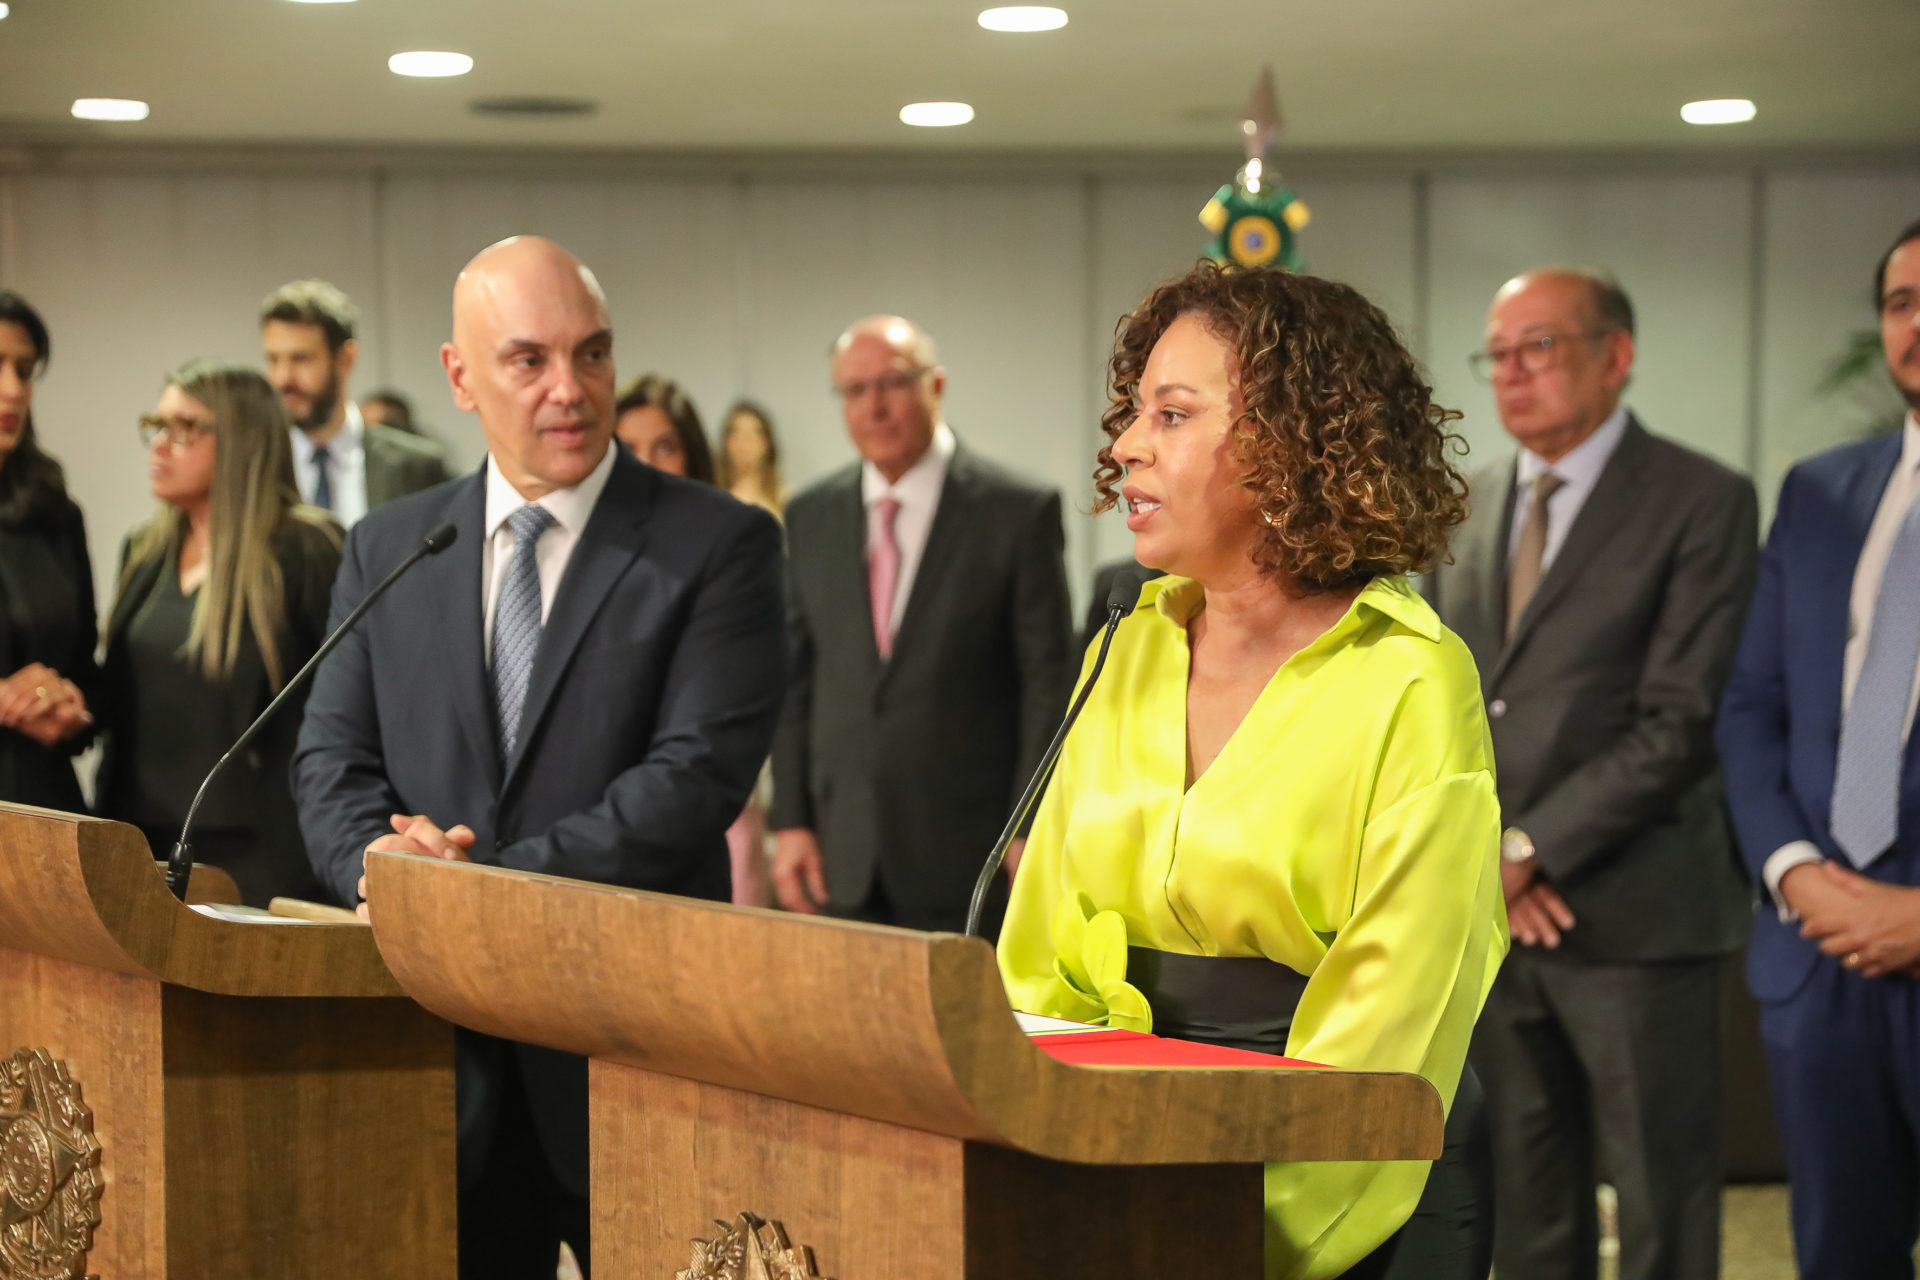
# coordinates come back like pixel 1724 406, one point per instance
pixel 891 384
pixel 1603 304
pixel 532 355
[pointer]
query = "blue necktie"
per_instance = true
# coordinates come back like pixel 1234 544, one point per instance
pixel 322 477
pixel 1866 777
pixel 516 622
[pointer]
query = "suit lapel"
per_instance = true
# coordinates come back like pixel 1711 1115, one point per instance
pixel 1607 508
pixel 845 549
pixel 1481 563
pixel 950 521
pixel 453 579
pixel 379 475
pixel 614 536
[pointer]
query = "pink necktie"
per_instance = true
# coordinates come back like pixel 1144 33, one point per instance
pixel 883 576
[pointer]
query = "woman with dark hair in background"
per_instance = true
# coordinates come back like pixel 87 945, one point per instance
pixel 47 627
pixel 749 463
pixel 655 419
pixel 222 596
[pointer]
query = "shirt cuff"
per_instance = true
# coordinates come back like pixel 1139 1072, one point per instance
pixel 1782 860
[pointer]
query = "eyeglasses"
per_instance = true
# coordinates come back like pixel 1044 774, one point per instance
pixel 1535 355
pixel 179 432
pixel 887 384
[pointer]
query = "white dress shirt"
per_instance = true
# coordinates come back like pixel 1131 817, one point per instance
pixel 1903 487
pixel 1580 470
pixel 918 493
pixel 347 464
pixel 571 509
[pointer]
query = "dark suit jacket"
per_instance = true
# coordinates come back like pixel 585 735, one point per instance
pixel 909 767
pixel 249 809
pixel 400 463
pixel 1602 702
pixel 1780 721
pixel 650 709
pixel 47 616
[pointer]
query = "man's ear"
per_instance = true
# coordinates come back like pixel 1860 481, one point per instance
pixel 457 377
pixel 344 360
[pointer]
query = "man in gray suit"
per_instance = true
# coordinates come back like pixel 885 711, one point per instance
pixel 1601 582
pixel 929 616
pixel 341 461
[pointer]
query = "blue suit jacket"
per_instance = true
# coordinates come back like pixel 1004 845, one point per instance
pixel 649 711
pixel 1779 730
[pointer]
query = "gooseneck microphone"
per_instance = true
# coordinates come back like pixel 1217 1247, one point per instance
pixel 1120 602
pixel 180 861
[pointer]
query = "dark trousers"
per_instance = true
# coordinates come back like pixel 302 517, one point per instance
pixel 880 907
pixel 515 1212
pixel 1844 1054
pixel 1450 1235
pixel 1591 1070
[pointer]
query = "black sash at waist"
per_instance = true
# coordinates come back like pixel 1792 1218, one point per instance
pixel 1241 1002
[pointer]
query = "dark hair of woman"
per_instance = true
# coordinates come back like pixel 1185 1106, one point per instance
pixel 31 481
pixel 724 463
pixel 656 391
pixel 1343 445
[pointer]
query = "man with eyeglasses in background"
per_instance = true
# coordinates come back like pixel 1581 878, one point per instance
pixel 1601 582
pixel 929 615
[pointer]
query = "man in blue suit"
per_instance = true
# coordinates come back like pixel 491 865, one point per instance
pixel 1824 782
pixel 585 684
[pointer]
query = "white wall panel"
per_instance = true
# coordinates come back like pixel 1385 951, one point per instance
pixel 1825 230
pixel 1681 244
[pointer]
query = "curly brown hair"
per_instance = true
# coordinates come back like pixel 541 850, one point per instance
pixel 1345 449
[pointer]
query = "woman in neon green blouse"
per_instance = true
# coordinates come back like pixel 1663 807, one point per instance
pixel 1281 790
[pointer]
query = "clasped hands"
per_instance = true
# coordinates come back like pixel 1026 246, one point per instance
pixel 1536 913
pixel 39 702
pixel 1874 928
pixel 416 833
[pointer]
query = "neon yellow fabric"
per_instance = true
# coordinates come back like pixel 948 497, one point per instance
pixel 1347 830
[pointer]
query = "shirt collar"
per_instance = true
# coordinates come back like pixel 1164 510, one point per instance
pixel 1389 595
pixel 921 482
pixel 343 444
pixel 1582 465
pixel 570 508
pixel 1910 443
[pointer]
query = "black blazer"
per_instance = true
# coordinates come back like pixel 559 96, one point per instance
pixel 399 463
pixel 250 804
pixel 47 616
pixel 910 767
pixel 1602 702
pixel 649 712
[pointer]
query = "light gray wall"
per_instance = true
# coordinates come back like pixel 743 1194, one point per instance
pixel 1748 279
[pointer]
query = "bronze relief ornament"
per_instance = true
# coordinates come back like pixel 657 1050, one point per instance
pixel 49 1171
pixel 749 1248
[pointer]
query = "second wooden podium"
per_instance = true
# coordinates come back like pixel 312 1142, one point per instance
pixel 788 1096
pixel 205 1098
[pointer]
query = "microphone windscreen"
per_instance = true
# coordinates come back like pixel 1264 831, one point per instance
pixel 1125 593
pixel 440 539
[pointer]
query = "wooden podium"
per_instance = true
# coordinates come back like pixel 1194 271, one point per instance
pixel 778 1084
pixel 192 1097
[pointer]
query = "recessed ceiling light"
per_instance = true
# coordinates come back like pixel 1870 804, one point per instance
pixel 323 1
pixel 428 63
pixel 935 115
pixel 4 10
pixel 1718 111
pixel 1023 17
pixel 109 109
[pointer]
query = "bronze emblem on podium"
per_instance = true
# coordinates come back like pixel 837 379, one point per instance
pixel 49 1171
pixel 750 1248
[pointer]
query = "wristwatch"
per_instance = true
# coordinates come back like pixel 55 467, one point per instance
pixel 1515 845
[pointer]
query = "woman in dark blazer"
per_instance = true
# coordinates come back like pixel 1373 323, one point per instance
pixel 222 596
pixel 47 628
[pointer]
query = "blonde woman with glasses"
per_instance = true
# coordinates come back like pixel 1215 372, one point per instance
pixel 222 596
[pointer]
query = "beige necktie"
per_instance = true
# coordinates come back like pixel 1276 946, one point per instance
pixel 1524 576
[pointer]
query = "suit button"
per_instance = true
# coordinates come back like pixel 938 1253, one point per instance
pixel 1497 708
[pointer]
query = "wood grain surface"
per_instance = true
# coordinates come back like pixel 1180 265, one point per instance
pixel 891 1025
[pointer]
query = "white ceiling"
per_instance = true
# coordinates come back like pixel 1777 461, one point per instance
pixel 832 74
